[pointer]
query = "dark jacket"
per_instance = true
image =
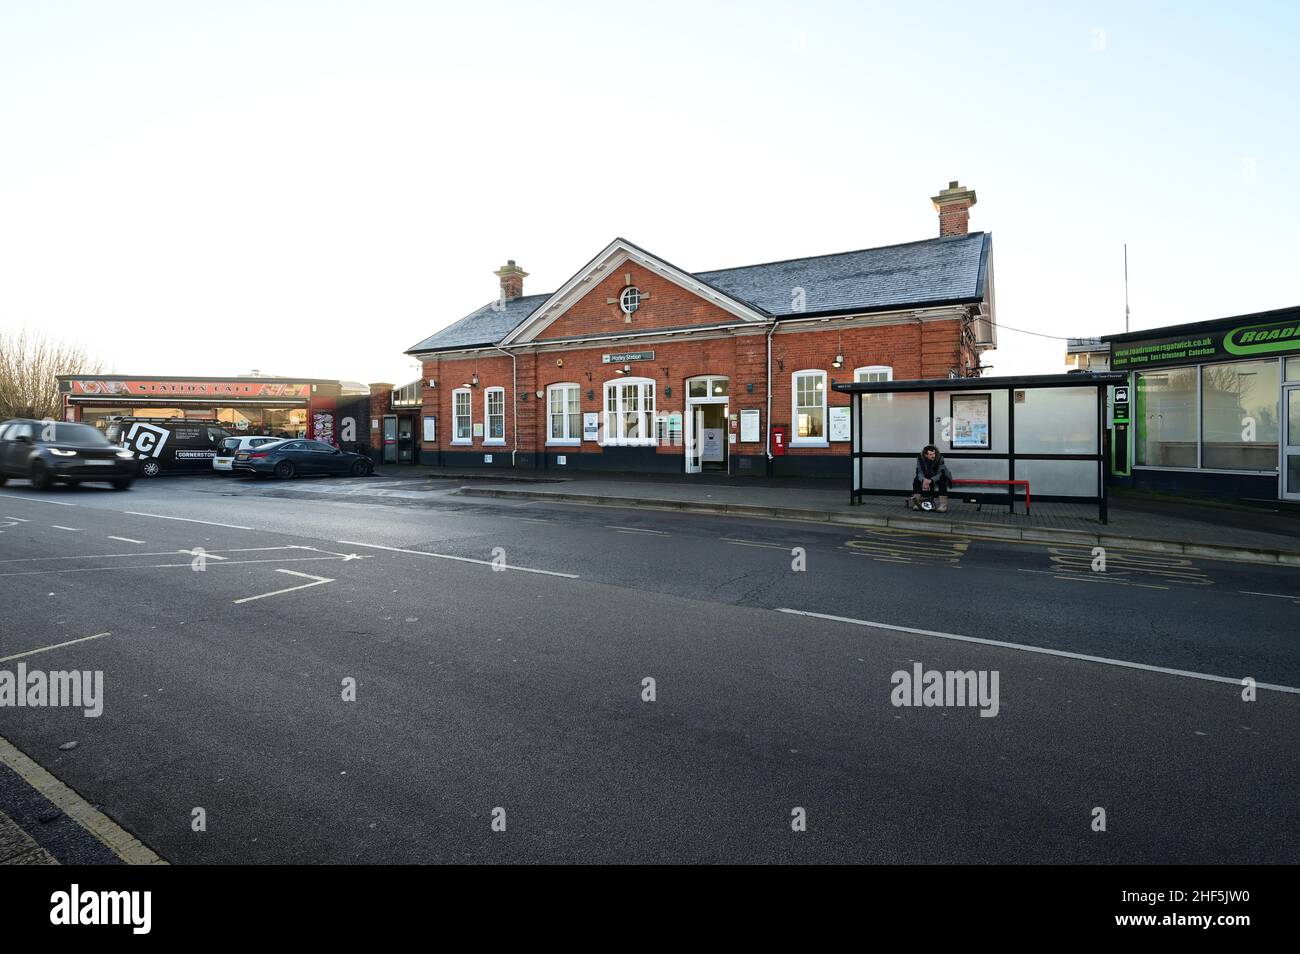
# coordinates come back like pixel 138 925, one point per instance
pixel 932 469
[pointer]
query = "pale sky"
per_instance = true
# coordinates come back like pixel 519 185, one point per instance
pixel 309 188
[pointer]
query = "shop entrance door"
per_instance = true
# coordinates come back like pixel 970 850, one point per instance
pixel 1291 444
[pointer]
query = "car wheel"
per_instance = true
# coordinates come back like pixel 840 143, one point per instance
pixel 41 478
pixel 3 480
pixel 123 484
pixel 359 469
pixel 150 468
pixel 284 470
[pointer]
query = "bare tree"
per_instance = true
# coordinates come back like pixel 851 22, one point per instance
pixel 30 363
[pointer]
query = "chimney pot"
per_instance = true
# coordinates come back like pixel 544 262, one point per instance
pixel 953 205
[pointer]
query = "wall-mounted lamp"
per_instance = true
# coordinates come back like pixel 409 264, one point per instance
pixel 838 362
pixel 433 383
pixel 540 394
pixel 559 362
pixel 626 369
pixel 473 380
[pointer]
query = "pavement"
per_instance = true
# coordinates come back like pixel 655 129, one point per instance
pixel 499 651
pixel 1259 534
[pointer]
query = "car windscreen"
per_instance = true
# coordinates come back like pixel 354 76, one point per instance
pixel 76 434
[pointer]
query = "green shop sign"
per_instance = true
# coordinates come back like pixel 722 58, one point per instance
pixel 1247 341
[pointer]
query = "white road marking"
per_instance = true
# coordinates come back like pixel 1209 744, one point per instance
pixel 1276 596
pixel 661 533
pixel 70 529
pixel 125 540
pixel 19 519
pixel 59 503
pixel 105 556
pixel 209 523
pixel 458 559
pixel 261 596
pixel 186 564
pixel 752 543
pixel 1103 660
pixel 207 555
pixel 46 649
pixel 1095 578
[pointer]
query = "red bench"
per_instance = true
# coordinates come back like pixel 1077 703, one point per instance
pixel 1002 483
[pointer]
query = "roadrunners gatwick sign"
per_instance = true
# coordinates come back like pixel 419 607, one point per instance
pixel 1260 340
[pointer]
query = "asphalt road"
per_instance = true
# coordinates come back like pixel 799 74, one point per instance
pixel 522 689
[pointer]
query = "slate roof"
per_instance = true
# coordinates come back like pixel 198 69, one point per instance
pixel 486 326
pixel 951 269
pixel 928 272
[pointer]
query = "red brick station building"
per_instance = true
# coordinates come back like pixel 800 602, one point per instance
pixel 634 364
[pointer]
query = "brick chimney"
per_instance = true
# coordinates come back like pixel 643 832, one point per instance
pixel 953 205
pixel 512 280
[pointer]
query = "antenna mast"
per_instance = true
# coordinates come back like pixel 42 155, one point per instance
pixel 1126 287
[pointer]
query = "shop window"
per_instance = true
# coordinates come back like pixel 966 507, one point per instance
pixel 809 412
pixel 1293 369
pixel 460 416
pixel 1166 418
pixel 494 401
pixel 564 413
pixel 1239 415
pixel 629 411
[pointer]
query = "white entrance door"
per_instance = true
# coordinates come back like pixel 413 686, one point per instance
pixel 1291 446
pixel 694 440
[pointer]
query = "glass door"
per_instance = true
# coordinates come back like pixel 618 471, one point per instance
pixel 694 427
pixel 1291 446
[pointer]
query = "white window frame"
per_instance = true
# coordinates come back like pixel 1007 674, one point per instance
pixel 469 416
pixel 567 440
pixel 795 439
pixel 873 369
pixel 615 421
pixel 487 416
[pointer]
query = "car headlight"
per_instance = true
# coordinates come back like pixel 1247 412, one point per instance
pixel 126 453
pixel 59 452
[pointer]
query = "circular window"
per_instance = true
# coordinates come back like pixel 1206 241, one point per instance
pixel 630 300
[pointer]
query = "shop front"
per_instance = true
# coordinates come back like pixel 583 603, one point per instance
pixel 326 410
pixel 1215 407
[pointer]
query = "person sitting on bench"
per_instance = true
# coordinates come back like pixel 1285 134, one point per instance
pixel 932 476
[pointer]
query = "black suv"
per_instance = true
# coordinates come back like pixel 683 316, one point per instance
pixel 166 444
pixel 49 451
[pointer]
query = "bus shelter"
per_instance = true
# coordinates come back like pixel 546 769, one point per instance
pixel 1004 438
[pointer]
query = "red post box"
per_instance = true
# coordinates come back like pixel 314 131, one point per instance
pixel 779 438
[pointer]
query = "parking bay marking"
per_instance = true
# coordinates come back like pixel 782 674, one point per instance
pixel 59 503
pixel 124 539
pixel 459 559
pixel 69 529
pixel 46 649
pixel 209 523
pixel 1041 650
pixel 261 596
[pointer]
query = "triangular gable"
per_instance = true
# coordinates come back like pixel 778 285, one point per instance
pixel 608 269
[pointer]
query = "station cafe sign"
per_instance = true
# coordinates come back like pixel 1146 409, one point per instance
pixel 1268 339
pixel 194 388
